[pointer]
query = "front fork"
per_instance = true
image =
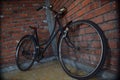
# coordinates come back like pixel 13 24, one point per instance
pixel 68 40
pixel 65 32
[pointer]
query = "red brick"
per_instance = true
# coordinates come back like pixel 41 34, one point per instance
pixel 110 16
pixel 113 44
pixel 114 5
pixel 96 44
pixel 71 6
pixel 115 61
pixel 108 25
pixel 103 9
pixel 93 6
pixel 81 12
pixel 114 52
pixel 89 15
pixel 17 19
pixel 104 1
pixel 85 2
pixel 98 19
pixel 14 24
pixel 74 10
pixel 113 34
pixel 74 4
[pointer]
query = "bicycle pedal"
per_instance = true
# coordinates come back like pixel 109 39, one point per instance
pixel 39 58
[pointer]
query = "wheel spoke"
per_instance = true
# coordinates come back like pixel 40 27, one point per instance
pixel 26 53
pixel 81 52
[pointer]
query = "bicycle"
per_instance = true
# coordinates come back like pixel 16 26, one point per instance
pixel 81 46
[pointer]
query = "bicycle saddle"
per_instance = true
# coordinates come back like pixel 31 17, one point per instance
pixel 33 27
pixel 62 12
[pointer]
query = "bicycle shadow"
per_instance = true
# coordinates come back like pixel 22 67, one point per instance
pixel 110 52
pixel 118 11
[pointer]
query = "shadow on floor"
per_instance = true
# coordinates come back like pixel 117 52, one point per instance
pixel 44 71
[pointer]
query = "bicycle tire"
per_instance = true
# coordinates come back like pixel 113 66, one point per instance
pixel 75 64
pixel 23 44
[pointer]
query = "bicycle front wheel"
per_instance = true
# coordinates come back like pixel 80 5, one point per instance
pixel 82 49
pixel 25 52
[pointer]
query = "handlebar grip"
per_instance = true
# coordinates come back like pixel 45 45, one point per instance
pixel 39 8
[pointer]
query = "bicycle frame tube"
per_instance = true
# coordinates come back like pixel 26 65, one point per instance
pixel 54 33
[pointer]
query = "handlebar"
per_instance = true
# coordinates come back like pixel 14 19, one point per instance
pixel 45 7
pixel 61 12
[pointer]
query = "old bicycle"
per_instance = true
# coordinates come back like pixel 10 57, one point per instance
pixel 81 46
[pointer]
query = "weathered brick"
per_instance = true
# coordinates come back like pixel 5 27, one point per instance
pixel 102 12
pixel 19 16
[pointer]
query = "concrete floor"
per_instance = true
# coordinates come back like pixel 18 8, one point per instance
pixel 45 71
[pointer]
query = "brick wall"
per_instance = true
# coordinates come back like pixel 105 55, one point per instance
pixel 16 17
pixel 102 12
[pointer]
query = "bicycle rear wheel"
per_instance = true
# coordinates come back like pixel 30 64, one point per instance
pixel 25 52
pixel 82 49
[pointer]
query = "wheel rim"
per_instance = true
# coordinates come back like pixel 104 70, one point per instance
pixel 90 52
pixel 26 52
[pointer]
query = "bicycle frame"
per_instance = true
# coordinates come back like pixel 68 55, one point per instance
pixel 70 42
pixel 53 34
